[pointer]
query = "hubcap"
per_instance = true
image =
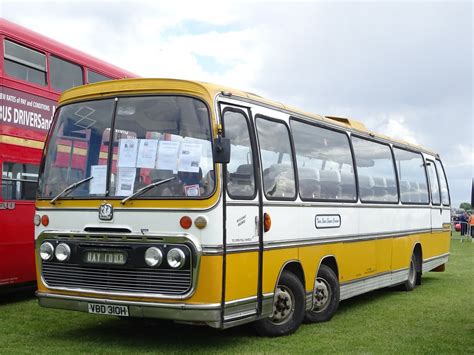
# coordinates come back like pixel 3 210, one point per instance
pixel 321 295
pixel 283 305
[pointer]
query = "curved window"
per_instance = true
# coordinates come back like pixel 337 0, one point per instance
pixel 324 160
pixel 434 186
pixel 277 159
pixel 411 176
pixel 444 183
pixel 375 171
pixel 241 179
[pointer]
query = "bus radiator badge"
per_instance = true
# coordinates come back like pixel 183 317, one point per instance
pixel 106 212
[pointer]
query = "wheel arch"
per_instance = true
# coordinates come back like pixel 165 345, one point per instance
pixel 294 266
pixel 418 252
pixel 331 262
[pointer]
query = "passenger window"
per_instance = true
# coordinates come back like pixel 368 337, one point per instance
pixel 444 184
pixel 64 75
pixel 435 194
pixel 19 181
pixel 241 179
pixel 277 159
pixel 324 160
pixel 24 63
pixel 93 77
pixel 375 171
pixel 412 177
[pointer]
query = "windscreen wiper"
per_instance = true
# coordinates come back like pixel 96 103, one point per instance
pixel 69 189
pixel 145 189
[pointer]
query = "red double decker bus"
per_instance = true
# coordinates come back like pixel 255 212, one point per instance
pixel 34 70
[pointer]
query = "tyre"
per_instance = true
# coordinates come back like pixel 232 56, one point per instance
pixel 410 283
pixel 288 308
pixel 325 296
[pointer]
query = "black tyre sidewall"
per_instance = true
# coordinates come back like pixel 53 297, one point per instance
pixel 326 273
pixel 408 285
pixel 266 327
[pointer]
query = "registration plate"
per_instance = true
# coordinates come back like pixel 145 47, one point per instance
pixel 105 257
pixel 109 309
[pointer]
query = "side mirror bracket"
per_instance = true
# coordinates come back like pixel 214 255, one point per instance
pixel 221 151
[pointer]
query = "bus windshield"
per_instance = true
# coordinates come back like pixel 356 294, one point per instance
pixel 155 138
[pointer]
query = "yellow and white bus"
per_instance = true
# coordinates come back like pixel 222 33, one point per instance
pixel 214 206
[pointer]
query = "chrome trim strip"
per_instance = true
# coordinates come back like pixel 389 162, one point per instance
pixel 129 238
pixel 293 243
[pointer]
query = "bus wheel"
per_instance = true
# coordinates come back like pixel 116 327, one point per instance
pixel 325 296
pixel 410 284
pixel 288 308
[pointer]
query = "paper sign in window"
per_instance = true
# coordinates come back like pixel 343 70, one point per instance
pixel 147 153
pixel 125 181
pixel 189 157
pixel 168 155
pixel 128 150
pixel 97 183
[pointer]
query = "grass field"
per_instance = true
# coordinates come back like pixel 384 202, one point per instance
pixel 437 317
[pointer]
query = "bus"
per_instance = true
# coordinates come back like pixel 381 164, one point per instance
pixel 209 205
pixel 34 70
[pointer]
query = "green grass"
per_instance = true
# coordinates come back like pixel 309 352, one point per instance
pixel 437 317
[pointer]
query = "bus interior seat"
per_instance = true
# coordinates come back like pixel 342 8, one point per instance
pixel 348 187
pixel 366 184
pixel 405 191
pixel 278 180
pixel 391 187
pixel 380 188
pixel 241 182
pixel 330 184
pixel 310 186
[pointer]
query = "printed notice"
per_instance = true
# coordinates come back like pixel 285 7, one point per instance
pixel 189 157
pixel 147 153
pixel 97 183
pixel 168 155
pixel 125 181
pixel 128 150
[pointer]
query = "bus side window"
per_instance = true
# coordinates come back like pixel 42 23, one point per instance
pixel 24 63
pixel 412 177
pixel 19 181
pixel 444 184
pixel 435 193
pixel 64 75
pixel 277 159
pixel 93 77
pixel 324 160
pixel 375 170
pixel 241 178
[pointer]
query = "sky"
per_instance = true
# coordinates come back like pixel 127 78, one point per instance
pixel 405 69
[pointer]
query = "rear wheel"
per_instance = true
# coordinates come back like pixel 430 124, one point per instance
pixel 410 283
pixel 325 296
pixel 288 308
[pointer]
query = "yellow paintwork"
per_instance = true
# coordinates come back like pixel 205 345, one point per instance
pixel 23 142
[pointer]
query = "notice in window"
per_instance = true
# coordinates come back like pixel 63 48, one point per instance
pixel 168 156
pixel 189 157
pixel 128 149
pixel 125 181
pixel 97 183
pixel 147 153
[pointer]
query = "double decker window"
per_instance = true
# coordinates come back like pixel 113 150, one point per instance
pixel 19 181
pixel 24 63
pixel 93 77
pixel 64 75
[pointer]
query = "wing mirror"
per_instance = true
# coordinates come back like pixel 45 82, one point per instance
pixel 221 152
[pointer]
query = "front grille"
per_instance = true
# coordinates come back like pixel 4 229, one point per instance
pixel 108 279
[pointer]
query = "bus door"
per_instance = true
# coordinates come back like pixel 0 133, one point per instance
pixel 242 217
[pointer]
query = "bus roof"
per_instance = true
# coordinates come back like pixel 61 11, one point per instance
pixel 37 40
pixel 209 90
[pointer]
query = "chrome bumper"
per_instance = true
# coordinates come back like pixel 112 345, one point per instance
pixel 209 314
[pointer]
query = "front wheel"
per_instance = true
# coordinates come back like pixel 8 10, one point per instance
pixel 288 308
pixel 325 296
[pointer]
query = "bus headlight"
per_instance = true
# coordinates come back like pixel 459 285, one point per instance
pixel 46 251
pixel 153 257
pixel 176 258
pixel 62 252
